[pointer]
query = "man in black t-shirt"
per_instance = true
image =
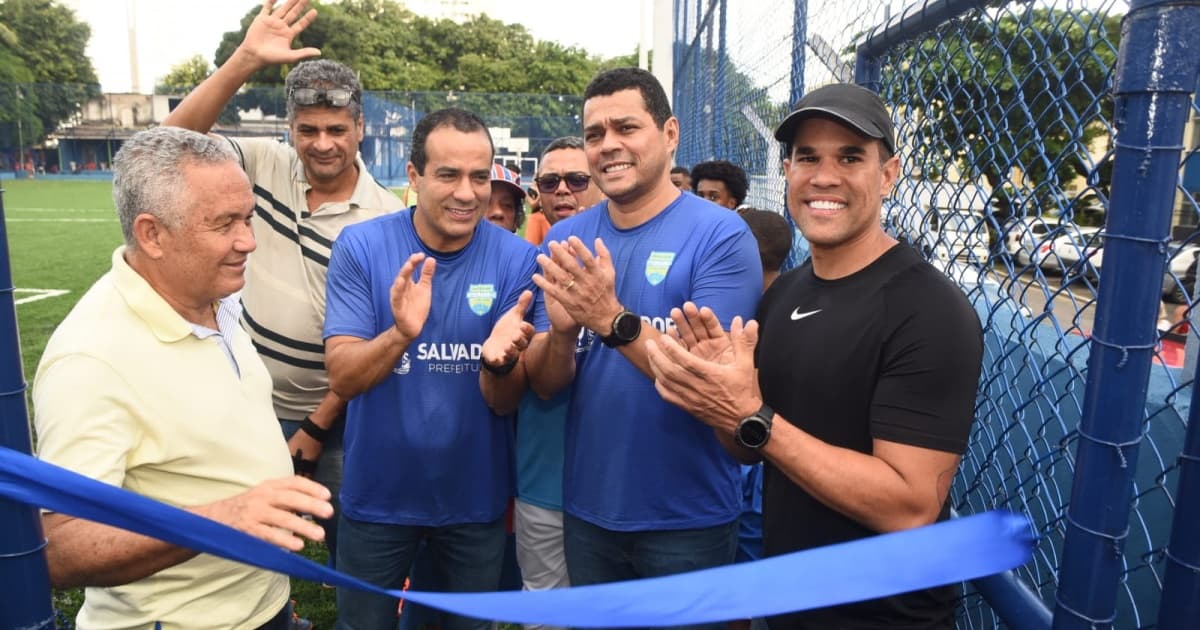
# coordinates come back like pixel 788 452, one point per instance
pixel 867 370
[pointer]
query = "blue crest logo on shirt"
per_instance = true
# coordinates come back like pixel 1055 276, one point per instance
pixel 405 366
pixel 657 265
pixel 480 297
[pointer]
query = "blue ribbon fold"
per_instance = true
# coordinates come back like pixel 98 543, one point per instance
pixel 953 551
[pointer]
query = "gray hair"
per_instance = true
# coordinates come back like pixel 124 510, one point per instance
pixel 148 169
pixel 323 74
pixel 565 142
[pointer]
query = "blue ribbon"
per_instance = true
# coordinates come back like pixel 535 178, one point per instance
pixel 948 552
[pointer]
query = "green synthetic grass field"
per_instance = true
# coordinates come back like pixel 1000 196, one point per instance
pixel 61 237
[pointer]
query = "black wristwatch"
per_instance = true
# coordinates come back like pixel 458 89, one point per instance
pixel 754 430
pixel 626 327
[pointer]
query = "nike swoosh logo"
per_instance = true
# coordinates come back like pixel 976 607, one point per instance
pixel 796 314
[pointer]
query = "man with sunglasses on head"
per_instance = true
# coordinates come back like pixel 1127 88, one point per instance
pixel 647 490
pixel 305 193
pixel 566 189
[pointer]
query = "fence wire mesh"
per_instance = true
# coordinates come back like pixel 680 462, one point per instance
pixel 1005 125
pixel 522 124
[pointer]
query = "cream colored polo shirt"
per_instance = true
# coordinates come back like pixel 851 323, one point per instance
pixel 284 298
pixel 126 394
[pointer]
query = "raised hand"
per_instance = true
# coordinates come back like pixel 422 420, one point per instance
pixel 581 283
pixel 718 392
pixel 269 38
pixel 411 298
pixel 699 330
pixel 511 334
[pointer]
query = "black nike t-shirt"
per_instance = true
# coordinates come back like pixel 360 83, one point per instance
pixel 891 352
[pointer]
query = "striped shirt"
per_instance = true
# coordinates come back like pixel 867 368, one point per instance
pixel 284 298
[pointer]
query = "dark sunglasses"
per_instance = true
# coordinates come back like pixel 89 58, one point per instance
pixel 576 182
pixel 334 97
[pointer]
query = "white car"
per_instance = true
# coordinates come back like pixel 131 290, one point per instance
pixel 1078 252
pixel 1024 237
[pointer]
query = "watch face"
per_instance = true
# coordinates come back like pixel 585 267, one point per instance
pixel 627 326
pixel 752 432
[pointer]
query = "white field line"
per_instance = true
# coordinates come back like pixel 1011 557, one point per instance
pixel 60 220
pixel 38 294
pixel 25 209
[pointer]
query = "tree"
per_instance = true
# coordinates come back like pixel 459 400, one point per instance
pixel 1028 91
pixel 394 49
pixel 44 53
pixel 497 70
pixel 184 76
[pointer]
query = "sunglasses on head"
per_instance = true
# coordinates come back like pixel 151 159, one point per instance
pixel 333 97
pixel 576 182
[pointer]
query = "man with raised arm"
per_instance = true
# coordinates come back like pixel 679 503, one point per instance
pixel 857 383
pixel 149 384
pixel 306 192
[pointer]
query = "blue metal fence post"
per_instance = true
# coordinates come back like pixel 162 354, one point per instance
pixel 25 598
pixel 1154 80
pixel 1179 608
pixel 799 44
pixel 719 133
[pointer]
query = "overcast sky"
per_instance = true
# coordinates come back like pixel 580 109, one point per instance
pixel 170 31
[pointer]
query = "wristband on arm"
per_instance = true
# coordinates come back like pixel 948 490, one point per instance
pixel 316 432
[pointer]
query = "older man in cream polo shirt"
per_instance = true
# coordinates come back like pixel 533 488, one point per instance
pixel 150 384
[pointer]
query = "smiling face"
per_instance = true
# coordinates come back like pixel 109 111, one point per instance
pixel 455 189
pixel 204 259
pixel 629 156
pixel 326 139
pixel 837 180
pixel 563 203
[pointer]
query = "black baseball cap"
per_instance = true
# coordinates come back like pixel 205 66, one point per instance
pixel 857 107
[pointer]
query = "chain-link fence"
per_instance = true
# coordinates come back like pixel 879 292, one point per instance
pixel 1008 122
pixel 522 125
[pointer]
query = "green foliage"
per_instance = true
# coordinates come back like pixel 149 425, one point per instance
pixel 1028 90
pixel 43 43
pixel 184 76
pixel 393 49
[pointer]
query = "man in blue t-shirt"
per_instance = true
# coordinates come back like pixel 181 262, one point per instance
pixel 429 359
pixel 647 490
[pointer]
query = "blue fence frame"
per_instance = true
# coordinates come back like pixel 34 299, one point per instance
pixel 1080 420
pixel 26 599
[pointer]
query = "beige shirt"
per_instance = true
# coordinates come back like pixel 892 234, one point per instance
pixel 125 393
pixel 284 298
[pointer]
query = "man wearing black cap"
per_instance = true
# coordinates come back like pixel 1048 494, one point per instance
pixel 866 373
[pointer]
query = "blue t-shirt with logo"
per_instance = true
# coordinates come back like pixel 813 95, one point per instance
pixel 422 446
pixel 633 461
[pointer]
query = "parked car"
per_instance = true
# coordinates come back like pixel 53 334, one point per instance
pixel 1080 253
pixel 1022 236
pixel 945 220
pixel 1077 252
pixel 1028 239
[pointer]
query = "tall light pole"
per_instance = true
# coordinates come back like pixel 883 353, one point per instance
pixel 20 131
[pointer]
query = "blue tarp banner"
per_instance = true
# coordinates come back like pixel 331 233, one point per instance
pixel 948 552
